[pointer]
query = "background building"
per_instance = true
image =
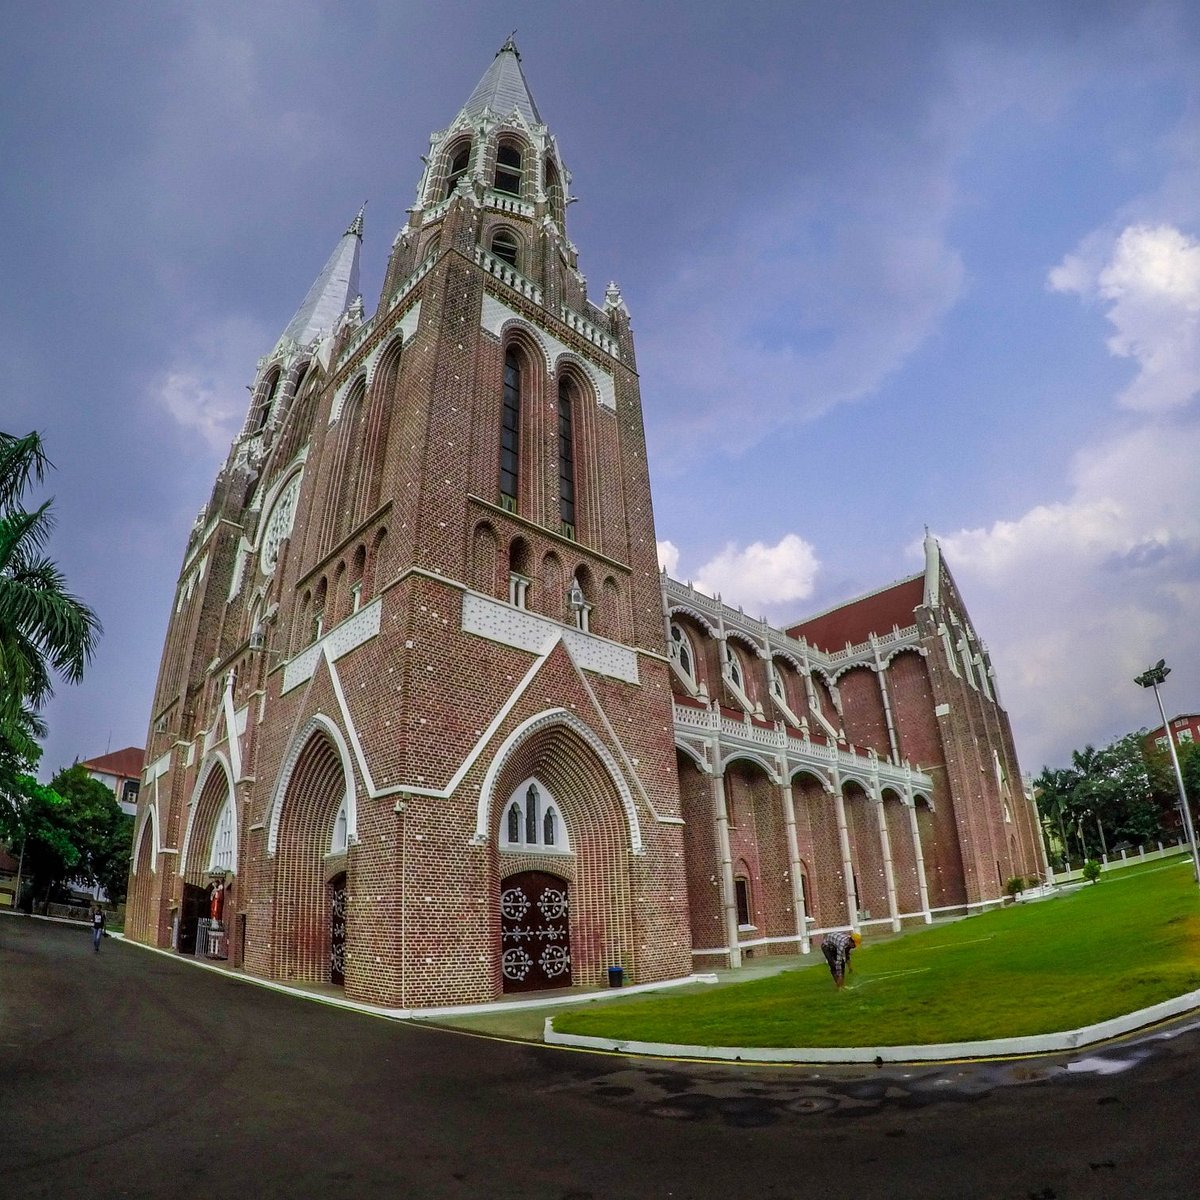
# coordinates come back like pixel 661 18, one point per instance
pixel 414 720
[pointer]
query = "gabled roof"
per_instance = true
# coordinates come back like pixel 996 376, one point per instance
pixel 126 764
pixel 332 292
pixel 503 88
pixel 875 613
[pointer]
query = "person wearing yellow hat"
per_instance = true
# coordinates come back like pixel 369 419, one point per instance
pixel 837 948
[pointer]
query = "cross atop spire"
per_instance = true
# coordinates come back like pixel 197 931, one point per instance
pixel 503 88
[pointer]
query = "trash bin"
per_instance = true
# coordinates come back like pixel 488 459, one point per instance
pixel 616 976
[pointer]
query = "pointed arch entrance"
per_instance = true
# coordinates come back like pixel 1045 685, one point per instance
pixel 208 864
pixel 309 837
pixel 562 824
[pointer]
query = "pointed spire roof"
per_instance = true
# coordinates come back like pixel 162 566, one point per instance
pixel 503 88
pixel 332 292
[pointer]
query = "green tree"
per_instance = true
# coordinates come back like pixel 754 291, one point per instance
pixel 33 821
pixel 100 832
pixel 44 630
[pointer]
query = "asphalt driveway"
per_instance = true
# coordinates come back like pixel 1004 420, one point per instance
pixel 131 1074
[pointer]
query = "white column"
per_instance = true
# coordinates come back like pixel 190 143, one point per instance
pixel 839 809
pixel 922 885
pixel 793 848
pixel 889 873
pixel 728 898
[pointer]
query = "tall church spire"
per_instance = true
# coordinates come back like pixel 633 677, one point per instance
pixel 332 292
pixel 503 88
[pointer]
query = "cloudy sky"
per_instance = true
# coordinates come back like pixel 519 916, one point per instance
pixel 890 265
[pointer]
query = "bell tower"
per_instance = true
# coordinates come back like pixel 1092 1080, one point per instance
pixel 433 677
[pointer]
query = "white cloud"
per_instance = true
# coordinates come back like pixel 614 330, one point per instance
pixel 204 391
pixel 1078 597
pixel 668 557
pixel 759 577
pixel 1151 286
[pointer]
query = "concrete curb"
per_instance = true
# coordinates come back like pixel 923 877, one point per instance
pixel 1041 1043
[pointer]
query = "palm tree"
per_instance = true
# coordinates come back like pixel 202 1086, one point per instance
pixel 44 630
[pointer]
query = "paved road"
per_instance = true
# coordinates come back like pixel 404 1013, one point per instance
pixel 129 1074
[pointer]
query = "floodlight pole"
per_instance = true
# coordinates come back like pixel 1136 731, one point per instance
pixel 1151 678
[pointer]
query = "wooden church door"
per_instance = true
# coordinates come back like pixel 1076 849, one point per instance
pixel 535 935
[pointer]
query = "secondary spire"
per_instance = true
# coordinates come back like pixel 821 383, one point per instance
pixel 332 292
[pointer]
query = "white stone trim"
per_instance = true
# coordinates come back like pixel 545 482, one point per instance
pixel 518 627
pixel 495 315
pixel 322 723
pixel 345 636
pixel 211 761
pixel 535 724
pixel 160 766
pixel 149 816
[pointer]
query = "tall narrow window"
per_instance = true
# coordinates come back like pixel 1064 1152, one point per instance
pixel 531 815
pixel 459 161
pixel 510 432
pixel 741 893
pixel 508 168
pixel 554 193
pixel 268 398
pixel 514 824
pixel 566 459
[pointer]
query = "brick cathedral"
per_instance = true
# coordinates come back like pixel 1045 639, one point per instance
pixel 430 724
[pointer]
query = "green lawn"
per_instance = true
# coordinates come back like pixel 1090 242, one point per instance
pixel 1127 942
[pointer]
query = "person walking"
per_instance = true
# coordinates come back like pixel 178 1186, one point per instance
pixel 97 927
pixel 837 948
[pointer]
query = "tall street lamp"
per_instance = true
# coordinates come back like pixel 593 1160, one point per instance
pixel 1151 678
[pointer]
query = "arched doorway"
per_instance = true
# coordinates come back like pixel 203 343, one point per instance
pixel 313 829
pixel 535 931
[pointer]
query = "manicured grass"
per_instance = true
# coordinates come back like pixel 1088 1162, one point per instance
pixel 1127 942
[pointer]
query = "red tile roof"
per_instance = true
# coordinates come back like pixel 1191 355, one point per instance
pixel 125 764
pixel 854 621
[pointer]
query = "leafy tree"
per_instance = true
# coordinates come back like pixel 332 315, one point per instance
pixel 1104 798
pixel 33 821
pixel 100 832
pixel 44 630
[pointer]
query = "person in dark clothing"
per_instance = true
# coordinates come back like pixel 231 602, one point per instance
pixel 837 948
pixel 97 927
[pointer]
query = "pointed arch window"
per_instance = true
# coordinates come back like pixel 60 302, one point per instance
pixel 223 857
pixel 775 681
pixel 267 399
pixel 735 669
pixel 681 650
pixel 532 820
pixel 460 160
pixel 554 193
pixel 509 168
pixel 510 431
pixel 566 457
pixel 341 831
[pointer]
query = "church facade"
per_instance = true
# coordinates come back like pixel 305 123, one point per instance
pixel 429 722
